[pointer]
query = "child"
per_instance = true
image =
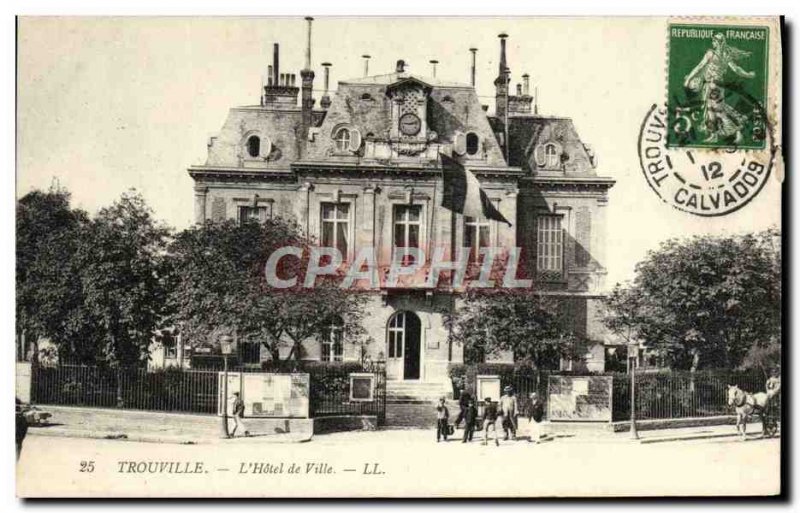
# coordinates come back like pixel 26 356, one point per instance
pixel 470 417
pixel 238 414
pixel 490 420
pixel 442 414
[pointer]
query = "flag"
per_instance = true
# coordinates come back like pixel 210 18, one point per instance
pixel 463 193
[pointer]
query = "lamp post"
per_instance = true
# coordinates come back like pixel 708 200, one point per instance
pixel 633 351
pixel 226 347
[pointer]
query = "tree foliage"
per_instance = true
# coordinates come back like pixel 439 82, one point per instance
pixel 93 287
pixel 219 286
pixel 533 327
pixel 704 302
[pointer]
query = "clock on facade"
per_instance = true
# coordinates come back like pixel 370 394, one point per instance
pixel 410 124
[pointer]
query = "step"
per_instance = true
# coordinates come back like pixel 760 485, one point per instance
pixel 419 414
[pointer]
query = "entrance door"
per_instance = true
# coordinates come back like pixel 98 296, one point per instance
pixel 403 340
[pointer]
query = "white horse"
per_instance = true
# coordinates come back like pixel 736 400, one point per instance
pixel 747 404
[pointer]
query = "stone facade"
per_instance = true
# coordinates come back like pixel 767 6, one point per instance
pixel 374 150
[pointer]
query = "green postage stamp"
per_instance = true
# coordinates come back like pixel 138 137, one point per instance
pixel 717 86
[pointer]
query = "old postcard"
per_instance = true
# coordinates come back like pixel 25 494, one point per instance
pixel 398 257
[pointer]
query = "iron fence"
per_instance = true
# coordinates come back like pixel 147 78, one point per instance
pixel 193 391
pixel 666 395
pixel 662 395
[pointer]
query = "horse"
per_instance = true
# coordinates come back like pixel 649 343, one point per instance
pixel 747 404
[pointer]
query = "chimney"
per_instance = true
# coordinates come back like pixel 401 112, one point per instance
pixel 280 90
pixel 275 59
pixel 366 64
pixel 434 62
pixel 307 77
pixel 519 89
pixel 472 71
pixel 400 67
pixel 501 82
pixel 526 84
pixel 325 102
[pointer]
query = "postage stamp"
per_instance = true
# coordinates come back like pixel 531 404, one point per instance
pixel 717 86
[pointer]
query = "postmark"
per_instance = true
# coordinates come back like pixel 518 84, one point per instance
pixel 701 182
pixel 717 81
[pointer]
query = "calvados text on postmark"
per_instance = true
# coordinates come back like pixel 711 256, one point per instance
pixel 717 86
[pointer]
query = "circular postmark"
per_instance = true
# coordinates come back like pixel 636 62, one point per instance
pixel 701 181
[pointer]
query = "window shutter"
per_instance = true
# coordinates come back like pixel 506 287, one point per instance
pixel 266 146
pixel 460 143
pixel 355 139
pixel 538 155
pixel 218 209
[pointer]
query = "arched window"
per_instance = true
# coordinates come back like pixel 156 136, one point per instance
pixel 472 143
pixel 342 139
pixel 253 146
pixel 332 344
pixel 551 155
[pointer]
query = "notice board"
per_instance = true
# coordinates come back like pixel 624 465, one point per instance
pixel 268 395
pixel 579 398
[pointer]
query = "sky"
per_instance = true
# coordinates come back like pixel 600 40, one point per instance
pixel 108 104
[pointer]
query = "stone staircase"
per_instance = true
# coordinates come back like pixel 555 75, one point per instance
pixel 413 404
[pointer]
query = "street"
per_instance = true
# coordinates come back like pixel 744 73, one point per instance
pixel 397 463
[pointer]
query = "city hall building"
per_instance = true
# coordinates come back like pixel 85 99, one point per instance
pixel 361 167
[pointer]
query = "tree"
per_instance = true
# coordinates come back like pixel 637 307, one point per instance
pixel 123 274
pixel 534 327
pixel 219 286
pixel 48 287
pixel 704 302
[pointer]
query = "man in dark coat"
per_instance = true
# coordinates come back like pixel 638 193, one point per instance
pixel 463 403
pixel 21 425
pixel 470 417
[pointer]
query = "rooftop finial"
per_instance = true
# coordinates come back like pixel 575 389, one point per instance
pixel 366 58
pixel 472 71
pixel 309 19
pixel 434 62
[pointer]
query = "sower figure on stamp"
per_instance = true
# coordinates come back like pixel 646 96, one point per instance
pixel 721 120
pixel 238 414
pixel 508 408
pixel 489 421
pixel 442 415
pixel 470 417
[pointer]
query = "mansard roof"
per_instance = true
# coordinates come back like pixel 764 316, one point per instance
pixel 529 135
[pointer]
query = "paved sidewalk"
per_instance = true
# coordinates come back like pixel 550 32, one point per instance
pixel 143 426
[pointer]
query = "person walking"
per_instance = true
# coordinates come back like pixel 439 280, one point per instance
pixel 490 421
pixel 535 414
pixel 442 414
pixel 509 409
pixel 463 403
pixel 238 415
pixel 470 417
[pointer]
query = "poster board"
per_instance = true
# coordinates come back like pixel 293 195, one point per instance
pixel 362 387
pixel 579 398
pixel 268 395
pixel 487 386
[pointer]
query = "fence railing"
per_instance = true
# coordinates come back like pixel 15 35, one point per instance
pixel 662 395
pixel 192 391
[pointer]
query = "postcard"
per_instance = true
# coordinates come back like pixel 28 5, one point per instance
pixel 439 257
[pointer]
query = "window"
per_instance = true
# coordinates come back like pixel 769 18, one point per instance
pixel 472 143
pixel 335 226
pixel 170 346
pixel 549 244
pixel 253 146
pixel 477 235
pixel 397 331
pixel 551 155
pixel 407 225
pixel 252 214
pixel 250 352
pixel 332 347
pixel 342 139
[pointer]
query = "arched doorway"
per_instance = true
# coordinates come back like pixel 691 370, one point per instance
pixel 403 335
